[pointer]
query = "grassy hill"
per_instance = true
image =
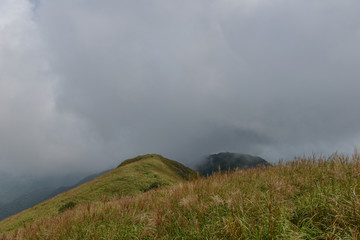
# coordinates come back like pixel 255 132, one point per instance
pixel 309 198
pixel 132 177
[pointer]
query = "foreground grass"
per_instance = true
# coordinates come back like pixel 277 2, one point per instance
pixel 309 198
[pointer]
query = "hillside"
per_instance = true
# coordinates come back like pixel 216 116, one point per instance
pixel 229 161
pixel 131 177
pixel 309 198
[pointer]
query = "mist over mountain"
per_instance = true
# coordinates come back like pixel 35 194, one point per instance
pixel 226 161
pixel 25 201
pixel 33 197
pixel 12 186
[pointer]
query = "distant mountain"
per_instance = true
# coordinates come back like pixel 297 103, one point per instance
pixel 133 176
pixel 23 202
pixel 13 186
pixel 228 161
pixel 32 198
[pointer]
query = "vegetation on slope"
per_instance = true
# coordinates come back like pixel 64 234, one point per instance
pixel 148 172
pixel 309 198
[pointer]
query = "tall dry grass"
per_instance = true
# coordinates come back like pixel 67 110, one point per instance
pixel 313 197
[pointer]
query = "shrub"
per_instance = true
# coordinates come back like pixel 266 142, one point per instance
pixel 154 185
pixel 67 206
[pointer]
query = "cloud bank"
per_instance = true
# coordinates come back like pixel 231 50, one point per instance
pixel 88 83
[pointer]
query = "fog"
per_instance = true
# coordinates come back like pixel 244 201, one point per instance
pixel 87 84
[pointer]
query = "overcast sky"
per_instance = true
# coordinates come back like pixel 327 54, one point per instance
pixel 85 84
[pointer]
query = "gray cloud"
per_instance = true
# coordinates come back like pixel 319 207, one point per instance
pixel 35 137
pixel 180 78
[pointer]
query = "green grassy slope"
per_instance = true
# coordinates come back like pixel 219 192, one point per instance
pixel 132 177
pixel 310 198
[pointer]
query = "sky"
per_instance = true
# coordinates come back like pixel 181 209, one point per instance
pixel 85 84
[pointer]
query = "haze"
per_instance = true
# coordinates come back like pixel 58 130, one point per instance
pixel 87 84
